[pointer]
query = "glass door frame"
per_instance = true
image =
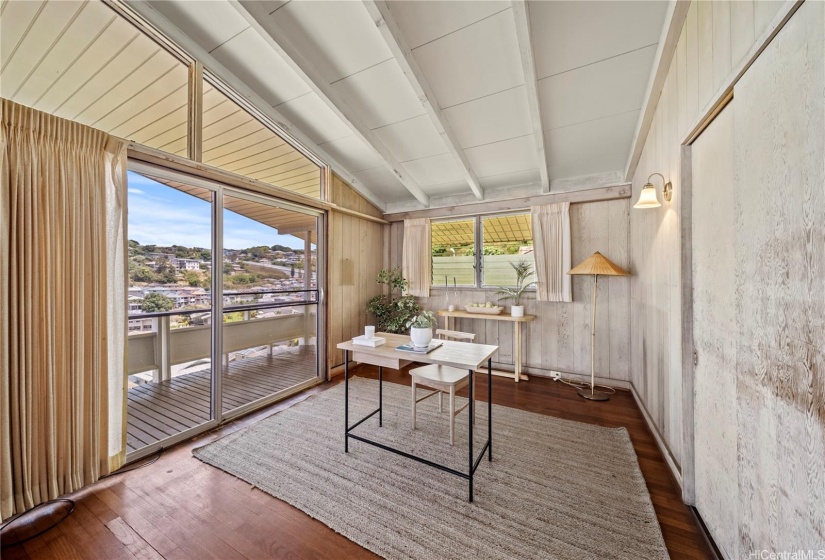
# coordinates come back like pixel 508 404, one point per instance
pixel 217 309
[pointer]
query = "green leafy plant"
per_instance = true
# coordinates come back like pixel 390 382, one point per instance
pixel 523 270
pixel 424 320
pixel 392 311
pixel 393 278
pixel 154 302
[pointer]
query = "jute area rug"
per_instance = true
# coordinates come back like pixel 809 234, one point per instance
pixel 555 488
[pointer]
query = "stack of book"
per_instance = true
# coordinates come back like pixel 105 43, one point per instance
pixel 420 349
pixel 371 342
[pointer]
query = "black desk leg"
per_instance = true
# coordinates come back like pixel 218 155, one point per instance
pixel 346 401
pixel 471 408
pixel 490 409
pixel 380 396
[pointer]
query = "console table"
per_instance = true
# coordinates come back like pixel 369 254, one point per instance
pixel 450 316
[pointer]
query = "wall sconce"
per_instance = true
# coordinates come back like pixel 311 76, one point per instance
pixel 648 198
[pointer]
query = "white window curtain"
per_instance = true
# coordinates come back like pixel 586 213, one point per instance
pixel 551 241
pixel 416 256
pixel 62 306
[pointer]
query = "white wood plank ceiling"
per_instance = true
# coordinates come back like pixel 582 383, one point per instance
pixel 82 61
pixel 420 100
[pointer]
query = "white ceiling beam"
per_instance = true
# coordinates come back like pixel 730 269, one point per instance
pixel 144 10
pixel 671 30
pixel 255 12
pixel 524 203
pixel 521 15
pixel 380 13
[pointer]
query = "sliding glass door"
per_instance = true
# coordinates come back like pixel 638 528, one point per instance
pixel 196 358
pixel 269 300
pixel 169 385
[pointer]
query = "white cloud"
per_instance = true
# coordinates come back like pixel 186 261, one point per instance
pixel 135 191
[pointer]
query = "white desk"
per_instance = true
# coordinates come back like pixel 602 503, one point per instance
pixel 462 355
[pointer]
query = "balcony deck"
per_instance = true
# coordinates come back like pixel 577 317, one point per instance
pixel 156 411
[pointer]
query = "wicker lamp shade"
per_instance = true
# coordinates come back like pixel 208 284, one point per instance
pixel 599 264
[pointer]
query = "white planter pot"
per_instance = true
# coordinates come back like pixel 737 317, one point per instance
pixel 421 337
pixel 517 310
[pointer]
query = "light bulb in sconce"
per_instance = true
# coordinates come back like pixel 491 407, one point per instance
pixel 648 198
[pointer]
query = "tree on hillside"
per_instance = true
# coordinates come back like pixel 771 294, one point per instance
pixel 141 274
pixel 259 252
pixel 192 278
pixel 154 302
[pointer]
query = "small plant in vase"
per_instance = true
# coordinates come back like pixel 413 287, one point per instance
pixel 523 271
pixel 421 328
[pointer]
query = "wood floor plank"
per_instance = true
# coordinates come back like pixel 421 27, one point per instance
pixel 133 542
pixel 185 509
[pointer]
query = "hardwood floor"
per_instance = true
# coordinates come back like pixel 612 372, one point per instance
pixel 180 508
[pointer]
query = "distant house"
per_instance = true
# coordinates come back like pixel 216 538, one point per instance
pixel 141 325
pixel 187 264
pixel 135 304
pixel 182 296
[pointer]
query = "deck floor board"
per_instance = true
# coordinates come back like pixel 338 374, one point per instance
pixel 156 411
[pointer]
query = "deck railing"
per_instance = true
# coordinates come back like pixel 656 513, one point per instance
pixel 164 346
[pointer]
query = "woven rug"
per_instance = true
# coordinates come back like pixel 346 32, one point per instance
pixel 555 488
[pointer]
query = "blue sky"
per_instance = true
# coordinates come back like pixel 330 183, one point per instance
pixel 161 215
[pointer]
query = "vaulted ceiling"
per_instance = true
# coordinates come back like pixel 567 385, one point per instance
pixel 417 102
pixel 425 99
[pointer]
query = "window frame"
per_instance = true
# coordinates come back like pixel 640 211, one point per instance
pixel 478 246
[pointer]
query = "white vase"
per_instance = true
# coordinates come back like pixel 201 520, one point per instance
pixel 517 310
pixel 421 337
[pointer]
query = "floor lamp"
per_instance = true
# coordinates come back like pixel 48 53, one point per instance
pixel 596 264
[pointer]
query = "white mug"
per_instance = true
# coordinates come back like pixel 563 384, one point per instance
pixel 369 331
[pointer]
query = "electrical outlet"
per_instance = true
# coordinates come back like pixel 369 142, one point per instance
pixel 555 375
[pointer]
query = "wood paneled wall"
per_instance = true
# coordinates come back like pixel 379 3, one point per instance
pixel 341 194
pixel 769 398
pixel 560 338
pixel 714 39
pixel 355 248
pixel 772 338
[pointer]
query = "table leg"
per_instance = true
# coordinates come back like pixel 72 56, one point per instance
pixel 380 396
pixel 470 424
pixel 346 401
pixel 490 408
pixel 517 344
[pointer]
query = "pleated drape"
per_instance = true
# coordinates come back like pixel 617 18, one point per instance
pixel 62 306
pixel 551 241
pixel 416 258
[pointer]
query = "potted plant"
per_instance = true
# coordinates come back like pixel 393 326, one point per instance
pixel 523 270
pixel 393 310
pixel 421 328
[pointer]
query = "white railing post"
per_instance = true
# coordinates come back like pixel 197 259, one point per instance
pixel 164 371
pixel 307 286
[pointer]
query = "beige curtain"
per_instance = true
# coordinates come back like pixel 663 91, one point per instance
pixel 62 305
pixel 551 239
pixel 416 256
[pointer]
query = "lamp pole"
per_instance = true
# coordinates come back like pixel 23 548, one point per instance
pixel 593 395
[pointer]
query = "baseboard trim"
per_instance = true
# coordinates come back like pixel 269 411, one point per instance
pixel 703 529
pixel 675 472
